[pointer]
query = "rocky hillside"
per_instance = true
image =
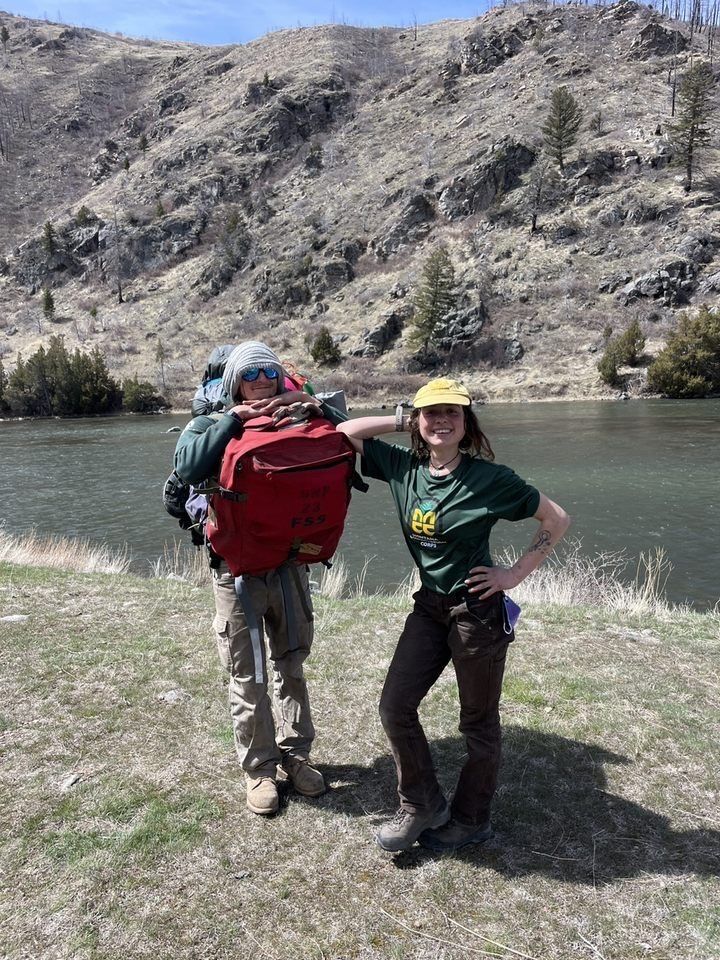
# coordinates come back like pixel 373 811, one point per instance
pixel 304 178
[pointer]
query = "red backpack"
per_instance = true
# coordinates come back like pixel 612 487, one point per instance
pixel 284 495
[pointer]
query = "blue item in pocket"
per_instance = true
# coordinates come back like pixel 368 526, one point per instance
pixel 511 612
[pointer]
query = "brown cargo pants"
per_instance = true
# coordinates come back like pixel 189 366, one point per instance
pixel 440 629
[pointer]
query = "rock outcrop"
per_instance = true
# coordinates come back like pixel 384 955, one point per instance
pixel 655 40
pixel 33 267
pixel 411 224
pixel 484 51
pixel 499 171
pixel 293 116
pixel 462 328
pixel 671 283
pixel 379 338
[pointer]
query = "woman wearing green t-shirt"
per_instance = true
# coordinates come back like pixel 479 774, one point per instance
pixel 449 494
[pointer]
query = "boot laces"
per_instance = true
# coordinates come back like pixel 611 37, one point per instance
pixel 400 817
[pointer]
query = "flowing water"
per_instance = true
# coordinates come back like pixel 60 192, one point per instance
pixel 634 475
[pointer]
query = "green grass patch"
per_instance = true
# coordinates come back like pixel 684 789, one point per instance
pixel 705 922
pixel 578 688
pixel 523 691
pixel 224 735
pixel 130 821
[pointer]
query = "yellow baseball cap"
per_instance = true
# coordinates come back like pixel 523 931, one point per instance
pixel 442 391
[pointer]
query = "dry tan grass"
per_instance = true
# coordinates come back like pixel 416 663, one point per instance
pixel 335 583
pixel 570 578
pixel 61 553
pixel 182 562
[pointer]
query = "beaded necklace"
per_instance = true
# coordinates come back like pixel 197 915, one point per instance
pixel 434 470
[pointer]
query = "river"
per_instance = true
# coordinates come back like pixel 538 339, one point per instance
pixel 634 475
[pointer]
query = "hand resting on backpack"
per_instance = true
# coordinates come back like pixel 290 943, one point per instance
pixel 290 398
pixel 295 412
pixel 290 406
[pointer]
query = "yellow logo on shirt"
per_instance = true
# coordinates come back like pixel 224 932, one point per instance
pixel 423 523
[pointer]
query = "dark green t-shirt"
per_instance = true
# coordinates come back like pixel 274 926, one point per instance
pixel 446 521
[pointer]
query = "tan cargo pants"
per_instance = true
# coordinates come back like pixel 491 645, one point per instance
pixel 280 606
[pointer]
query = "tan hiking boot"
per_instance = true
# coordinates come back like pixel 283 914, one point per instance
pixel 262 795
pixel 306 779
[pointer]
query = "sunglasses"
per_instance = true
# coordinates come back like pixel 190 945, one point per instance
pixel 251 375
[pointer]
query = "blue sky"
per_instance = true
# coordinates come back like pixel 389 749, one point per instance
pixel 224 21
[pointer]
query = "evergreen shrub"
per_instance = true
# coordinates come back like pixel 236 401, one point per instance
pixel 689 365
pixel 624 350
pixel 323 348
pixel 56 383
pixel 139 396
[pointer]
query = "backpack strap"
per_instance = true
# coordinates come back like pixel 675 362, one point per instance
pixel 300 592
pixel 243 595
pixel 235 497
pixel 357 482
pixel 289 578
pixel 290 619
pixel 294 549
pixel 289 572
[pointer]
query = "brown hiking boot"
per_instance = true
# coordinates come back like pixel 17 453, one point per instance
pixel 306 779
pixel 262 795
pixel 403 830
pixel 455 835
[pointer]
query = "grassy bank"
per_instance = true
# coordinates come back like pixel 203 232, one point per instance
pixel 124 831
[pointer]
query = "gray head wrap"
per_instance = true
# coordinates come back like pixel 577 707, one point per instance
pixel 252 353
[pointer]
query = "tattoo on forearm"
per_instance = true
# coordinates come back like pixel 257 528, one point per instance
pixel 542 544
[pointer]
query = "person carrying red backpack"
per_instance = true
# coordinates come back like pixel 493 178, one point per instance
pixel 276 602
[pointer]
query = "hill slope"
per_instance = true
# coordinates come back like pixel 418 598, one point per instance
pixel 304 178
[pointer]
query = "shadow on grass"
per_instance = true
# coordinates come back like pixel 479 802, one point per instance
pixel 553 814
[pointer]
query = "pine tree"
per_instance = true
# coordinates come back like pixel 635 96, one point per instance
pixel 94 390
pixel 48 303
pixel 4 37
pixel 630 345
pixel 143 143
pixel 118 257
pixel 435 299
pixel 84 216
pixel 625 350
pixel 65 389
pixel 49 238
pixel 690 133
pixel 3 384
pixel 40 393
pixel 55 383
pixel 160 357
pixel 561 127
pixel 324 350
pixel 107 392
pixel 139 396
pixel 17 393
